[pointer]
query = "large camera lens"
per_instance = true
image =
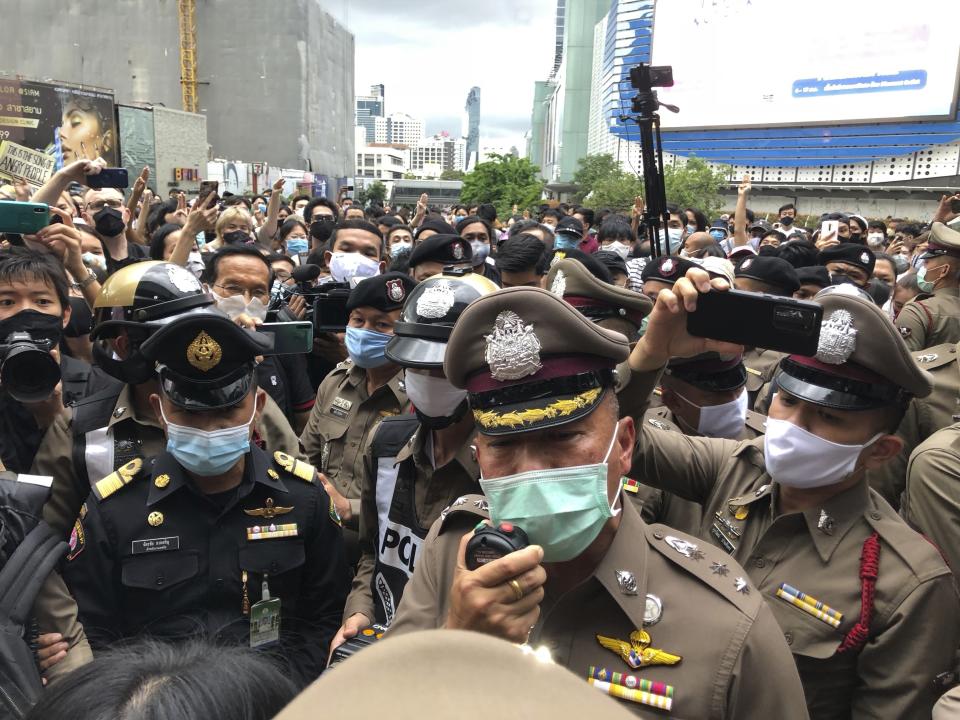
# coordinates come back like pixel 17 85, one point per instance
pixel 29 374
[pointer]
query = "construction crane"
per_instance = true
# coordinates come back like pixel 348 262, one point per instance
pixel 188 54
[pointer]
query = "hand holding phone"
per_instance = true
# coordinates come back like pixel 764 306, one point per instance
pixel 23 218
pixel 108 177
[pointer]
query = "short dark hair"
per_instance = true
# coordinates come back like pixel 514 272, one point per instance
pixel 213 263
pixel 394 228
pixel 163 681
pixel 616 227
pixel 781 238
pixel 551 212
pixel 799 253
pixel 297 198
pixel 315 202
pixel 158 213
pixel 877 225
pixel 471 219
pixel 388 221
pixel 159 239
pixel 911 229
pixel 522 253
pixel 20 264
pixel 356 224
pixel 521 226
pixel 788 206
pixel 288 226
pixel 588 216
pixel 488 212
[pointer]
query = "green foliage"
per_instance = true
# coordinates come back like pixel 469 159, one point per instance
pixel 452 175
pixel 616 193
pixel 696 185
pixel 376 192
pixel 593 170
pixel 504 181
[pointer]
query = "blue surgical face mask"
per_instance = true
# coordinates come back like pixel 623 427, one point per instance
pixel 691 229
pixel 366 347
pixel 561 509
pixel 399 246
pixel 296 245
pixel 675 236
pixel 718 235
pixel 566 241
pixel 262 208
pixel 480 250
pixel 208 452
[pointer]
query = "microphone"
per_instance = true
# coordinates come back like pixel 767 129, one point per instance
pixel 305 273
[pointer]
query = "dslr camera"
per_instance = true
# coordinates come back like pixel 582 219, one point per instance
pixel 27 370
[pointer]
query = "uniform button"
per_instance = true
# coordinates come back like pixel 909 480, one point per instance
pixel 160 581
pixel 218 583
pixel 788 636
pixel 273 567
pixel 875 515
pixel 759 562
pixel 658 535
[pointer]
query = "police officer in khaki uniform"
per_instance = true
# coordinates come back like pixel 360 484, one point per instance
pixel 106 430
pixel 924 417
pixel 868 606
pixel 359 392
pixel 614 600
pixel 935 320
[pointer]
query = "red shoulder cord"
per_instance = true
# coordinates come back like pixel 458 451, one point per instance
pixel 869 564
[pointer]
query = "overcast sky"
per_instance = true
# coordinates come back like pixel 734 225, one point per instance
pixel 430 53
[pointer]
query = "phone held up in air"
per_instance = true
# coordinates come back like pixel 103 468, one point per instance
pixel 23 218
pixel 108 178
pixel 290 338
pixel 207 187
pixel 829 226
pixel 758 320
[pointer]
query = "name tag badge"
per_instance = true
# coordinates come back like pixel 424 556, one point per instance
pixel 265 622
pixel 340 407
pixel 150 545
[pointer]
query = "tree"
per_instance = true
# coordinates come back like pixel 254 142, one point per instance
pixel 695 184
pixel 504 181
pixel 616 193
pixel 376 192
pixel 594 169
pixel 452 175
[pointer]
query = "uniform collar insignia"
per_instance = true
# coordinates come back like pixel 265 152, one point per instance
pixel 513 349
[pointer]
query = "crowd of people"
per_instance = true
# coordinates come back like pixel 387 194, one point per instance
pixel 254 441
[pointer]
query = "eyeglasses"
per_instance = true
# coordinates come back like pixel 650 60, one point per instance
pixel 282 275
pixel 98 205
pixel 231 290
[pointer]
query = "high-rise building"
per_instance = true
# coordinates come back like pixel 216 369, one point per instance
pixel 438 153
pixel 398 129
pixel 370 107
pixel 472 134
pixel 560 118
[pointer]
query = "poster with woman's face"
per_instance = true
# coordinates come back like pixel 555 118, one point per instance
pixel 66 122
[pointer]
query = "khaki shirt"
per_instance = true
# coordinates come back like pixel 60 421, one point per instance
pixel 735 663
pixel 924 416
pixel 932 321
pixel 434 489
pixel 931 502
pixel 342 424
pixel 916 609
pixel 761 365
pixel 55 456
pixel 56 612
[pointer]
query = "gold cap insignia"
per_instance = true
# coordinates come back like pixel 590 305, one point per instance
pixel 204 353
pixel 155 519
pixel 161 481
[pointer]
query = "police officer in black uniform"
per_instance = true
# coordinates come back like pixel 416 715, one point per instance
pixel 213 537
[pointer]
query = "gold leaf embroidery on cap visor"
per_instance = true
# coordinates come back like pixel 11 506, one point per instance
pixel 558 409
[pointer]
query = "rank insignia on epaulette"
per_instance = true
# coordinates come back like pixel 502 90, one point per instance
pixel 630 485
pixel 295 467
pixel 334 515
pixel 117 479
pixel 77 540
pixel 268 532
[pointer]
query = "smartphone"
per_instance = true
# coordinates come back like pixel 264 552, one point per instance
pixel 23 218
pixel 207 187
pixel 758 320
pixel 108 178
pixel 829 226
pixel 290 338
pixel 955 204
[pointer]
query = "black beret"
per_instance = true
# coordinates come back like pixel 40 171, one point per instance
pixel 710 371
pixel 384 292
pixel 571 225
pixel 436 224
pixel 853 253
pixel 446 248
pixel 771 270
pixel 594 266
pixel 666 268
pixel 813 275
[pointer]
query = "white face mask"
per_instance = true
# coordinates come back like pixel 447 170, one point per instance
pixel 433 396
pixel 797 458
pixel 621 249
pixel 875 239
pixel 195 264
pixel 235 306
pixel 344 266
pixel 721 421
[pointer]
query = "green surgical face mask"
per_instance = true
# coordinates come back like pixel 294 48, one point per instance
pixel 561 509
pixel 922 282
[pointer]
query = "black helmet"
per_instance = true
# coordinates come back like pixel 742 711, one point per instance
pixel 432 307
pixel 138 299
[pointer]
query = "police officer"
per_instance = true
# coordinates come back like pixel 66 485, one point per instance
pixel 212 537
pixel 107 429
pixel 359 392
pixel 849 260
pixel 851 585
pixel 431 255
pixel 935 320
pixel 615 600
pixel 417 463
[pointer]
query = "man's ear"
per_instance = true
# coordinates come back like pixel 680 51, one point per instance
pixel 261 402
pixel 155 404
pixel 383 266
pixel 327 255
pixel 882 451
pixel 67 311
pixel 626 439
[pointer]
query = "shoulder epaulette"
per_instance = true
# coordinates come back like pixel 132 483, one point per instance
pixel 119 478
pixel 297 468
pixel 756 422
pixel 472 505
pixel 937 356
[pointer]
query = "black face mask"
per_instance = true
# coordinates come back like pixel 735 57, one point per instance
pixel 109 222
pixel 322 229
pixel 768 250
pixel 81 318
pixel 40 326
pixel 236 237
pixel 786 220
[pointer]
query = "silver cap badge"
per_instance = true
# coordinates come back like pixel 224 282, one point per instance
pixel 436 300
pixel 559 284
pixel 513 349
pixel 838 338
